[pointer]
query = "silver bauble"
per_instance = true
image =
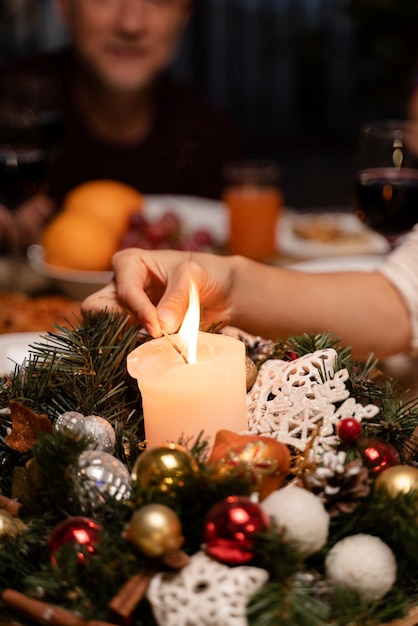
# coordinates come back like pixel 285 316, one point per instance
pixel 100 476
pixel 96 429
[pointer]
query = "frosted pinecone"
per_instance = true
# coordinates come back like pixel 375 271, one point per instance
pixel 338 484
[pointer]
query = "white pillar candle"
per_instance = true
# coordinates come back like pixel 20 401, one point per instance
pixel 183 399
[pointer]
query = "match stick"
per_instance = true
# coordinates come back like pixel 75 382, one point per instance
pixel 167 336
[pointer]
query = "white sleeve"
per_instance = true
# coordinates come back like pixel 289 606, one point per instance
pixel 401 268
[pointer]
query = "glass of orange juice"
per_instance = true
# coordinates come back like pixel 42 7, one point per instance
pixel 255 203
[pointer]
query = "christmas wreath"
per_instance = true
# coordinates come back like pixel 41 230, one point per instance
pixel 308 518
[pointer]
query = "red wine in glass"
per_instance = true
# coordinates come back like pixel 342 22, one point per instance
pixel 387 199
pixel 22 172
pixel 386 178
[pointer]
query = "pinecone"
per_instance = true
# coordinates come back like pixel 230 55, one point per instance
pixel 339 485
pixel 260 350
pixel 409 452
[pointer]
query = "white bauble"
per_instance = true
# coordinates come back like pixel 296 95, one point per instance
pixel 364 563
pixel 302 516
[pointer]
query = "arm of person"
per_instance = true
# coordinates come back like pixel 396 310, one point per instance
pixel 363 309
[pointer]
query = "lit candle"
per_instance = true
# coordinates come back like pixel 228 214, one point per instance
pixel 202 388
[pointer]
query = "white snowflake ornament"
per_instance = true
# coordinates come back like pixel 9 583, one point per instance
pixel 204 593
pixel 295 401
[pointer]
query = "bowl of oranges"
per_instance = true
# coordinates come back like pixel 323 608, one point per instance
pixel 76 246
pixel 100 217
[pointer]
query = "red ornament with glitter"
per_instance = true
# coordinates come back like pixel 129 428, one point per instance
pixel 230 527
pixel 349 431
pixel 378 455
pixel 82 532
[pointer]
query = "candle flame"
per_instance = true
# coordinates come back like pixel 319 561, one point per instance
pixel 189 329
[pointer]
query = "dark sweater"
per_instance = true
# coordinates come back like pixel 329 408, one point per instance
pixel 184 154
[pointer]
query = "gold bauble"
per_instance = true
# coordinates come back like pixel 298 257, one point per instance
pixel 398 479
pixel 156 530
pixel 250 372
pixel 10 525
pixel 165 467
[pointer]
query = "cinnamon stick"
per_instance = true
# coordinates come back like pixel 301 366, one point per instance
pixel 410 447
pixel 129 596
pixel 44 613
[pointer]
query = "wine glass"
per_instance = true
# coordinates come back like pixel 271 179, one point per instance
pixel 386 177
pixel 22 158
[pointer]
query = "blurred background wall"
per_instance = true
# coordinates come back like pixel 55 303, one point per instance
pixel 298 76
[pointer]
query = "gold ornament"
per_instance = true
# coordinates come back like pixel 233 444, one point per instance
pixel 156 530
pixel 266 458
pixel 10 525
pixel 250 372
pixel 398 479
pixel 165 467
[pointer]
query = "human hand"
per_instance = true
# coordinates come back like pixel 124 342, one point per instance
pixel 154 286
pixel 31 218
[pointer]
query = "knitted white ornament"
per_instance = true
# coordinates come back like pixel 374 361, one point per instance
pixel 204 593
pixel 301 515
pixel 294 400
pixel 364 563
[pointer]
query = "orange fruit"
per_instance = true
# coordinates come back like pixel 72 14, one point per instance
pixel 80 242
pixel 109 201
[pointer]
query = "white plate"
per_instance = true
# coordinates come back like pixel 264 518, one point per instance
pixel 366 263
pixel 15 348
pixel 350 235
pixel 37 261
pixel 77 284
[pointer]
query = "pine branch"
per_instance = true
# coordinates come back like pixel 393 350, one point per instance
pixel 79 368
pixel 311 342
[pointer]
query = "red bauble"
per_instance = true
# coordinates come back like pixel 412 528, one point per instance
pixel 349 431
pixel 230 527
pixel 378 455
pixel 81 532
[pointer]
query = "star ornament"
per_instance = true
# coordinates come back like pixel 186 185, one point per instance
pixel 191 597
pixel 295 401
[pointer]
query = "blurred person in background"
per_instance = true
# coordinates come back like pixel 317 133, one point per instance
pixel 120 115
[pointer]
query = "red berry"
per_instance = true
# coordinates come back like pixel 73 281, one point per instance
pixel 171 222
pixel 137 220
pixel 129 240
pixel 349 430
pixel 157 233
pixel 203 238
